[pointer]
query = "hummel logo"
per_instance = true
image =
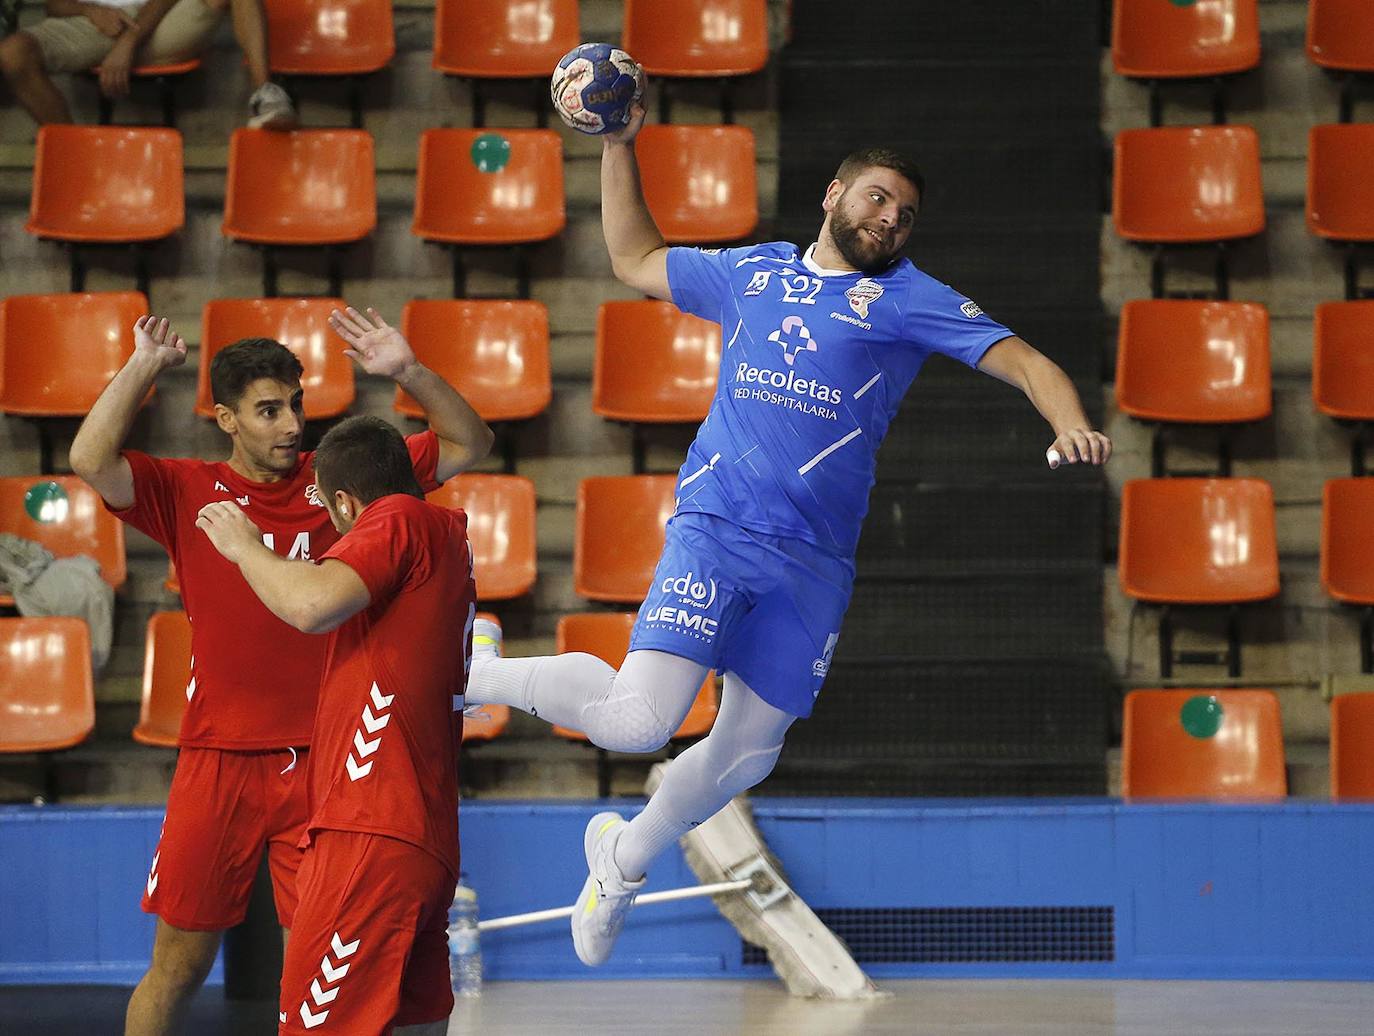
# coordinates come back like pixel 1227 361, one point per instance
pixel 331 973
pixel 242 500
pixel 222 487
pixel 372 723
pixel 152 873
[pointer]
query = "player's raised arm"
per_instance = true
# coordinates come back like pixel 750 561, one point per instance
pixel 95 456
pixel 639 255
pixel 464 438
pixel 1047 386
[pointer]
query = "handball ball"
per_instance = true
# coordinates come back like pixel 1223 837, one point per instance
pixel 593 87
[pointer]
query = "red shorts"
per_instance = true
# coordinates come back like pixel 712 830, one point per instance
pixel 369 949
pixel 224 807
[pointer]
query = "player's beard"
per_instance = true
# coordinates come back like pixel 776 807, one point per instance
pixel 859 250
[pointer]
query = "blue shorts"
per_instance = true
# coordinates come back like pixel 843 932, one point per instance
pixel 766 608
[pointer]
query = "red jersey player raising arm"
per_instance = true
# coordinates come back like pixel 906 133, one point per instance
pixel 254 680
pixel 368 951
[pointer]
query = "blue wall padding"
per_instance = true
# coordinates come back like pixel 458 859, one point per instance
pixel 1197 890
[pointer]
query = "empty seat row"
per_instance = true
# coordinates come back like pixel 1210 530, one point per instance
pixel 653 363
pixel 116 184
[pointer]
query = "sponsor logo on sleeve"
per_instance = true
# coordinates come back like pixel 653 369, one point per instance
pixel 971 310
pixel 312 495
pixel 759 282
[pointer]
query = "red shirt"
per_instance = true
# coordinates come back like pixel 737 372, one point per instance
pixel 254 679
pixel 390 718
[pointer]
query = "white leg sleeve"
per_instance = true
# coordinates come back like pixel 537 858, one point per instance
pixel 739 752
pixel 635 710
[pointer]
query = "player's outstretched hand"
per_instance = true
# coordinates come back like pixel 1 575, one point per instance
pixel 632 128
pixel 153 337
pixel 377 346
pixel 229 529
pixel 1079 445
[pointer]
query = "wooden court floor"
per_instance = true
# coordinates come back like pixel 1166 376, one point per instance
pixel 728 1008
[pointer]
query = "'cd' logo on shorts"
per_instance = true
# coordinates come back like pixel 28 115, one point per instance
pixel 692 591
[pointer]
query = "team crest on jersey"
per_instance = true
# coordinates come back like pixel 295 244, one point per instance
pixel 971 310
pixel 312 495
pixel 758 282
pixel 864 293
pixel 794 337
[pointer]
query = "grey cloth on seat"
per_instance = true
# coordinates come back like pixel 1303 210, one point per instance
pixel 44 585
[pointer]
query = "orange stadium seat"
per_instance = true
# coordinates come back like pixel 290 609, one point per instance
pixel 85 340
pixel 1352 746
pixel 1343 367
pixel 653 363
pixel 1202 362
pixel 1156 39
pixel 1193 362
pixel 1340 191
pixel 1187 184
pixel 307 187
pixel 47 695
pixel 70 520
pixel 1340 35
pixel 494 352
pixel 107 185
pixel 619 534
pixel 699 181
pixel 501 529
pixel 165 75
pixel 607 636
pixel 335 38
pixel 697 37
pixel 1190 744
pixel 302 325
pixel 1198 540
pixel 489 187
pixel 330 37
pixel 1347 568
pixel 166 678
pixel 503 39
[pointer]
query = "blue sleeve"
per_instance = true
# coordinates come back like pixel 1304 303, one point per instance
pixel 699 279
pixel 940 320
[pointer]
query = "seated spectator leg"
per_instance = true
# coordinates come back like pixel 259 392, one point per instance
pixel 21 61
pixel 250 29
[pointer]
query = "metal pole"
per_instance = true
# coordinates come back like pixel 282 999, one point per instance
pixel 692 892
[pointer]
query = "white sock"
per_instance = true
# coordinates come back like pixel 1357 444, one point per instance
pixel 644 838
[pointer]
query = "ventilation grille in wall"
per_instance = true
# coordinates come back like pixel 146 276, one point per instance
pixel 970 935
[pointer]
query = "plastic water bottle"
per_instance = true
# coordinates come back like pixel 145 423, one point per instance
pixel 464 943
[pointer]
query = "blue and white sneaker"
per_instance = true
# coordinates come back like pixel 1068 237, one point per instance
pixel 606 898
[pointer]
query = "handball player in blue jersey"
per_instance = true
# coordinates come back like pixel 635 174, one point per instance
pixel 818 345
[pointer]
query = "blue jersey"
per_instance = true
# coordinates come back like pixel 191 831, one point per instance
pixel 813 366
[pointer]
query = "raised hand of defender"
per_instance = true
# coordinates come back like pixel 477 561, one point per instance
pixel 1079 445
pixel 377 346
pixel 153 337
pixel 229 529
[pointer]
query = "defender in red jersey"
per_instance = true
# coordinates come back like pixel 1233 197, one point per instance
pixel 368 952
pixel 254 680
